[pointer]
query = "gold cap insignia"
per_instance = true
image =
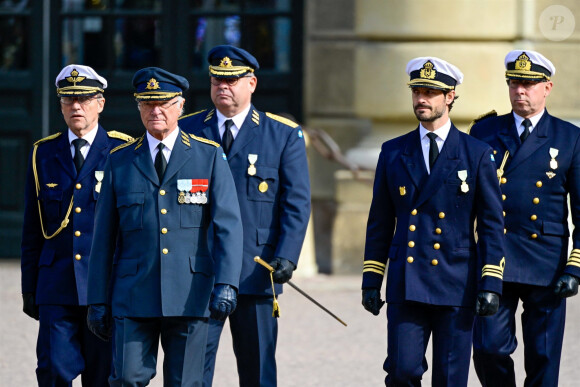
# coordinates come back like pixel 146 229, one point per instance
pixel 428 72
pixel 152 84
pixel 74 77
pixel 226 62
pixel 523 62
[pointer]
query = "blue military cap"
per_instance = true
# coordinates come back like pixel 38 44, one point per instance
pixel 433 73
pixel 156 84
pixel 230 62
pixel 78 80
pixel 528 65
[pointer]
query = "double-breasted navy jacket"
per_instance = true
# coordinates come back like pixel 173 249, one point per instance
pixel 537 178
pixel 171 251
pixel 55 269
pixel 275 199
pixel 424 224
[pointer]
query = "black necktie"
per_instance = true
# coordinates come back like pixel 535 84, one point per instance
pixel 160 162
pixel 78 157
pixel 526 123
pixel 433 149
pixel 228 137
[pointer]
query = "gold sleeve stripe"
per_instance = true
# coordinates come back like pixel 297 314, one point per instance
pixel 494 270
pixel 381 272
pixel 375 263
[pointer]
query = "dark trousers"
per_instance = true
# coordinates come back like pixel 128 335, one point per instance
pixel 137 343
pixel 66 349
pixel 494 337
pixel 254 335
pixel 409 327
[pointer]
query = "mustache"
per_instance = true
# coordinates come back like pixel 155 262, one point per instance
pixel 421 106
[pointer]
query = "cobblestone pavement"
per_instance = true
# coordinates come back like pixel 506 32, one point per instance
pixel 313 348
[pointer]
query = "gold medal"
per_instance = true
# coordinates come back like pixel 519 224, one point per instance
pixel 464 187
pixel 181 198
pixel 402 191
pixel 251 170
pixel 98 187
pixel 252 158
pixel 263 187
pixel 463 176
pixel 99 176
pixel 553 164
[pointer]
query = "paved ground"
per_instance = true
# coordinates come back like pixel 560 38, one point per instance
pixel 313 349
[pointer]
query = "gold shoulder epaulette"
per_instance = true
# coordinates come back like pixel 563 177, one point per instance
pixel 124 145
pixel 51 137
pixel 192 114
pixel 119 135
pixel 283 120
pixel 201 139
pixel 482 117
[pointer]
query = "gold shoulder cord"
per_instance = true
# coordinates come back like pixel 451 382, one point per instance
pixel 65 221
pixel 500 170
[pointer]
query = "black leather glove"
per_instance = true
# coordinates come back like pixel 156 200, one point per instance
pixel 566 286
pixel 371 300
pixel 283 269
pixel 29 305
pixel 486 304
pixel 223 302
pixel 100 322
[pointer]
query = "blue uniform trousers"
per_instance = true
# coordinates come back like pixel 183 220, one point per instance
pixel 254 335
pixel 409 327
pixel 137 343
pixel 494 337
pixel 66 348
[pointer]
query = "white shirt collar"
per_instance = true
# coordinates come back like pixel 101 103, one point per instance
pixel 535 119
pixel 89 137
pixel 442 132
pixel 238 121
pixel 168 141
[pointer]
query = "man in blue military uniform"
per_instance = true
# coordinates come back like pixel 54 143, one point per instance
pixel 538 161
pixel 170 197
pixel 430 186
pixel 62 187
pixel 267 156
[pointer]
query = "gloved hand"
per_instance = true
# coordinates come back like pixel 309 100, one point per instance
pixel 29 305
pixel 371 300
pixel 99 321
pixel 487 303
pixel 223 302
pixel 566 286
pixel 283 269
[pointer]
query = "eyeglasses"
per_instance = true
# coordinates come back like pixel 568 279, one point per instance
pixel 229 81
pixel 82 100
pixel 152 105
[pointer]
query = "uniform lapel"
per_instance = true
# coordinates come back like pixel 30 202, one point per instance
pixel 508 135
pixel 211 130
pixel 143 161
pixel 535 140
pixel 445 164
pixel 413 160
pixel 179 155
pixel 97 151
pixel 64 157
pixel 246 134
